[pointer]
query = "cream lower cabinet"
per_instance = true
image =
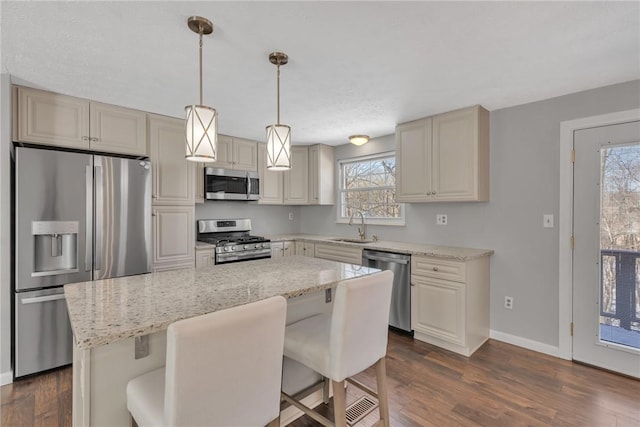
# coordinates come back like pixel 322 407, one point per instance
pixel 444 158
pixel 305 249
pixel 58 120
pixel 173 237
pixel 450 302
pixel 205 257
pixel 341 253
pixel 280 249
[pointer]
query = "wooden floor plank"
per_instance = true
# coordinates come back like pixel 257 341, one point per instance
pixel 500 385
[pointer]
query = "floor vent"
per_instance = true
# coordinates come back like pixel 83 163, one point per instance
pixel 360 409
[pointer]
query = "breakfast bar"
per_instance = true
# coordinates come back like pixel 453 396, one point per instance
pixel 119 325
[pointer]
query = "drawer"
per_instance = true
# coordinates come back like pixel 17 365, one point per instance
pixel 339 253
pixel 438 268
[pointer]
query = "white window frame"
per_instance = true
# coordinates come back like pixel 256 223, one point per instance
pixel 374 221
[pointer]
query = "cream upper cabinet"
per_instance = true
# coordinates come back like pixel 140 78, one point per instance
pixel 64 121
pixel 198 177
pixel 172 174
pixel 271 182
pixel 296 180
pixel 117 130
pixel 444 158
pixel 450 302
pixel 321 186
pixel 236 153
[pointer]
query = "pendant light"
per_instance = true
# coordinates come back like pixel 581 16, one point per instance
pixel 359 139
pixel 201 123
pixel 278 135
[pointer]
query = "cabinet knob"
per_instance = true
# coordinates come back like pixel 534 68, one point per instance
pixel 413 284
pixel 153 214
pixel 154 196
pixel 435 268
pixel 86 138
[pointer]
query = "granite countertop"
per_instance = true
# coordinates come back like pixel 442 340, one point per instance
pixel 111 310
pixel 437 251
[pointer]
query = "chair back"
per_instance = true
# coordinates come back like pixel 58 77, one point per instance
pixel 225 368
pixel 360 324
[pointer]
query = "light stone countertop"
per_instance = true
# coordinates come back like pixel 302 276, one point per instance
pixel 111 310
pixel 437 251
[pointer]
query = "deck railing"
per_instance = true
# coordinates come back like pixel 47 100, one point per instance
pixel 624 268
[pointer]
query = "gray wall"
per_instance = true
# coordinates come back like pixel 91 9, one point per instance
pixel 265 219
pixel 5 228
pixel 525 150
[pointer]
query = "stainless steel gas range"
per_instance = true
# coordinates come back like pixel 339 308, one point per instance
pixel 233 240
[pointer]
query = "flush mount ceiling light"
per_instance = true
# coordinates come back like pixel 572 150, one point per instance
pixel 359 139
pixel 201 123
pixel 278 135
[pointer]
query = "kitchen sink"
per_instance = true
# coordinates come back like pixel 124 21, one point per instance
pixel 347 240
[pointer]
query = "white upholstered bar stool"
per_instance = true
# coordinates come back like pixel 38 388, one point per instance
pixel 222 369
pixel 347 341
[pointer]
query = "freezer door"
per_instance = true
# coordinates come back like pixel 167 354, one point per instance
pixel 53 218
pixel 122 217
pixel 43 337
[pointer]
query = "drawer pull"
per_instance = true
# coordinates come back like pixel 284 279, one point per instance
pixel 435 268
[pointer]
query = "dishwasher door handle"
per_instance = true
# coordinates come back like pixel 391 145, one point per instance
pixel 385 259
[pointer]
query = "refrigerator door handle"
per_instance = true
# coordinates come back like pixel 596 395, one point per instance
pixel 99 212
pixel 36 300
pixel 88 233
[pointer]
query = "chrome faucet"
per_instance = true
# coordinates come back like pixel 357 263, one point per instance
pixel 361 231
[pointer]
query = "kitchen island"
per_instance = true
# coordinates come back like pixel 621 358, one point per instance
pixel 110 317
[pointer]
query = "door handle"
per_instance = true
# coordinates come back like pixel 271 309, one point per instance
pixel 46 298
pixel 88 226
pixel 99 207
pixel 393 260
pixel 248 186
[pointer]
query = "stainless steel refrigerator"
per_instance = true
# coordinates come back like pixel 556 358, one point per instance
pixel 78 217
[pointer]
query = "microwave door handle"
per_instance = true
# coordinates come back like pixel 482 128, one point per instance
pixel 248 186
pixel 88 228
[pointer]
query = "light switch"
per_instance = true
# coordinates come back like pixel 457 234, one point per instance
pixel 547 221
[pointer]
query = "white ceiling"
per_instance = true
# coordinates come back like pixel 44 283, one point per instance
pixel 355 67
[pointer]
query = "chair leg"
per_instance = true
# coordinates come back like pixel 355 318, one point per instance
pixel 383 401
pixel 325 390
pixel 339 403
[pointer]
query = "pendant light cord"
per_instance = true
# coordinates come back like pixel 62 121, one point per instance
pixel 200 32
pixel 278 97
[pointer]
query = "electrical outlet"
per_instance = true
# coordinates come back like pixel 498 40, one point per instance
pixel 441 219
pixel 290 216
pixel 547 221
pixel 508 302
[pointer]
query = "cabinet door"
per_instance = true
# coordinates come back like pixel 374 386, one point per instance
pixel 271 182
pixel 204 258
pixel 321 182
pixel 438 309
pixel 118 130
pixel 199 182
pixel 52 119
pixel 288 248
pixel 277 249
pixel 172 173
pixel 225 153
pixel 339 253
pixel 305 249
pixel 245 154
pixel 173 235
pixel 413 161
pixel 296 180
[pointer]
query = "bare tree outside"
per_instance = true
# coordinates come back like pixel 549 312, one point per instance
pixel 620 236
pixel 369 186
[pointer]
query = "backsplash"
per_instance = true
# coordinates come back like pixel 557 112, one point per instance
pixel 265 219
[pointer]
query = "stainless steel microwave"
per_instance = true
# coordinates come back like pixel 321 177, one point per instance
pixel 229 184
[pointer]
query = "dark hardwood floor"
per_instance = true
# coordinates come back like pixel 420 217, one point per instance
pixel 500 385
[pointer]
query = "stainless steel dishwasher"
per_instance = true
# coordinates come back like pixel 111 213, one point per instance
pixel 400 264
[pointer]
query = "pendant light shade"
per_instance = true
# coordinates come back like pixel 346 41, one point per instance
pixel 201 123
pixel 278 135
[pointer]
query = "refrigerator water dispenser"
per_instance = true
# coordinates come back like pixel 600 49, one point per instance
pixel 55 247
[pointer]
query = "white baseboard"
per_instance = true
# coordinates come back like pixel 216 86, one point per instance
pixel 525 343
pixel 6 378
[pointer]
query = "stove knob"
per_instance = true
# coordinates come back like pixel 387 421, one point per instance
pixel 226 248
pixel 247 246
pixel 259 245
pixel 233 248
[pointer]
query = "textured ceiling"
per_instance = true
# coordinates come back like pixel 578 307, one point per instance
pixel 355 67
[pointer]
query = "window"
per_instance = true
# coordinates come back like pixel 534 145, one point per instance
pixel 368 184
